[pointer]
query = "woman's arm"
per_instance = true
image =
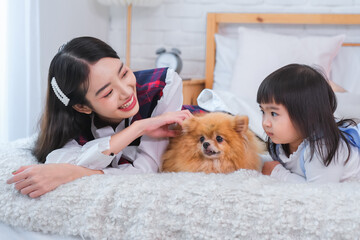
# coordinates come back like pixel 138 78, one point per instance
pixel 36 180
pixel 89 155
pixel 99 153
pixel 150 150
pixel 156 127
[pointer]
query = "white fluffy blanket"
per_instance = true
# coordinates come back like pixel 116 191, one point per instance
pixel 243 205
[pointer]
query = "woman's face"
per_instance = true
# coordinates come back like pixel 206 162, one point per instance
pixel 112 90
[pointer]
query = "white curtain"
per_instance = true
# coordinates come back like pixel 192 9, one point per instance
pixel 20 90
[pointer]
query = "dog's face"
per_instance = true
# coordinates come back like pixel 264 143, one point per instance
pixel 212 143
pixel 214 134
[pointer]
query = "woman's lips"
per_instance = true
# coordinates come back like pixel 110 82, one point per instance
pixel 129 104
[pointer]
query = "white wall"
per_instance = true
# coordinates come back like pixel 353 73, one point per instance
pixel 182 24
pixel 62 20
pixel 43 26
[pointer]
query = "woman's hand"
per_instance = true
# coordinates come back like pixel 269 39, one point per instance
pixel 269 167
pixel 160 126
pixel 36 180
pixel 156 127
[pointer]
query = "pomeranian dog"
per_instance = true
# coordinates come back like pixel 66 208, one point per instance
pixel 213 143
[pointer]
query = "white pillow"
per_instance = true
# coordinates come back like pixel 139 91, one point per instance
pixel 217 100
pixel 226 52
pixel 346 69
pixel 260 53
pixel 348 105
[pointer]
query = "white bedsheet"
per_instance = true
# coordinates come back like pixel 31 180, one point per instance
pixel 243 204
pixel 12 233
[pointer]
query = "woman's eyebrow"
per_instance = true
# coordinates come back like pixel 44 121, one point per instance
pixel 98 91
pixel 106 85
pixel 121 66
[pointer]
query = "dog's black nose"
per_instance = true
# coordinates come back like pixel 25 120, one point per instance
pixel 206 145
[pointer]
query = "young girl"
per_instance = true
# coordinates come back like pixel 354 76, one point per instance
pixel 96 110
pixel 304 139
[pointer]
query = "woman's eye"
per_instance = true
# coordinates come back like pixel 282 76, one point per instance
pixel 124 74
pixel 202 139
pixel 108 94
pixel 219 139
pixel 274 114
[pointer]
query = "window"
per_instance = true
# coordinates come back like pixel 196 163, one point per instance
pixel 3 70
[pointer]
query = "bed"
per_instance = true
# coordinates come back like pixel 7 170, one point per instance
pixel 238 58
pixel 240 205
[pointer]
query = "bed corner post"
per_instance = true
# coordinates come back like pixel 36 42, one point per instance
pixel 211 29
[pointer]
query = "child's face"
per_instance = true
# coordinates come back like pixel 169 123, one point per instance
pixel 278 125
pixel 112 90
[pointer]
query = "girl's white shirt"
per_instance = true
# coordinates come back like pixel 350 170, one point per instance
pixel 315 170
pixel 146 157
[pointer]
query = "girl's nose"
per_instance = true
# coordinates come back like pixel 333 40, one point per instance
pixel 266 122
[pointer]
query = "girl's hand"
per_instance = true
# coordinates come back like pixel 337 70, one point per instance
pixel 158 126
pixel 268 167
pixel 36 180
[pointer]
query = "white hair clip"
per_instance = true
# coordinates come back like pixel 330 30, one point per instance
pixel 60 95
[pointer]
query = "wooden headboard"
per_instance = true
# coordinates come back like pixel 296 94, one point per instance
pixel 214 19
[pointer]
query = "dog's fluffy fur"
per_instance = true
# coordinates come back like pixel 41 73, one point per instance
pixel 213 143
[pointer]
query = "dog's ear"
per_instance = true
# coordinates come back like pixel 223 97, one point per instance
pixel 188 125
pixel 241 124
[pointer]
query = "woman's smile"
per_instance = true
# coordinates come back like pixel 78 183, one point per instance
pixel 129 105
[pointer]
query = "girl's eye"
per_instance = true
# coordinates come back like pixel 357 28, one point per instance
pixel 108 94
pixel 274 114
pixel 219 139
pixel 202 139
pixel 262 111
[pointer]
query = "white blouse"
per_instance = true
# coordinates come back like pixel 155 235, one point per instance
pixel 315 170
pixel 146 157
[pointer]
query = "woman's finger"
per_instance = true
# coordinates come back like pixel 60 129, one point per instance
pixel 28 189
pixel 18 177
pixel 22 184
pixel 21 169
pixel 36 193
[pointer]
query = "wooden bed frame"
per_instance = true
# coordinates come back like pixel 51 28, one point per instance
pixel 192 88
pixel 214 19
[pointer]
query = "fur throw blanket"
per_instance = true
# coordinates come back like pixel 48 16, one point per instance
pixel 243 204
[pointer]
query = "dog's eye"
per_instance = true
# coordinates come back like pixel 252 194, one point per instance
pixel 202 139
pixel 219 139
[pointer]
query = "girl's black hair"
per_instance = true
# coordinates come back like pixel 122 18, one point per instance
pixel 70 68
pixel 311 103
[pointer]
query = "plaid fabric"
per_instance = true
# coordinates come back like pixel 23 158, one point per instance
pixel 82 140
pixel 149 87
pixel 194 109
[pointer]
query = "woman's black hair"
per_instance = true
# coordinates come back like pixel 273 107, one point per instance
pixel 70 68
pixel 311 103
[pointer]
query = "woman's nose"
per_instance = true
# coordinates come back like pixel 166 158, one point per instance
pixel 124 90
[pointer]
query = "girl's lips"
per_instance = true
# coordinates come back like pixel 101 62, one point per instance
pixel 129 105
pixel 269 134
